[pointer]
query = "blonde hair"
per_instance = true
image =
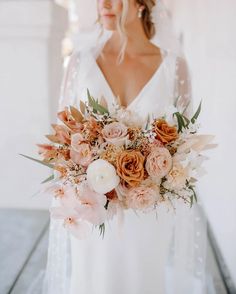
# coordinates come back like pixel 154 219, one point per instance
pixel 148 25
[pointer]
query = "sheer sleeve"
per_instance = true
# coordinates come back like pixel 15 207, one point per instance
pixel 69 85
pixel 186 268
pixel 58 269
pixel 183 91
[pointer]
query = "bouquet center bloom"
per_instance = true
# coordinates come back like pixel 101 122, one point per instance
pixel 102 177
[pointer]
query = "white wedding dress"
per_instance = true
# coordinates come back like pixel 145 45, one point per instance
pixel 162 252
pixel 154 253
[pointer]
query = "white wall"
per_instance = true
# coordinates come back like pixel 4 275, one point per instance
pixel 30 74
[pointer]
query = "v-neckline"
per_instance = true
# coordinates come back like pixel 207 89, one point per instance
pixel 140 92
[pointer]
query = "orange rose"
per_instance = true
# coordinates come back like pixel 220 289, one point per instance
pixel 130 167
pixel 164 132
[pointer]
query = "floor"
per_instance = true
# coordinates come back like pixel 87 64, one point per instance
pixel 24 234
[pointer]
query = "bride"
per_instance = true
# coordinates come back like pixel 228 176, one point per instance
pixel 131 58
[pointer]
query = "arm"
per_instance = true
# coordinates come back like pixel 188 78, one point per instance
pixel 183 92
pixel 69 85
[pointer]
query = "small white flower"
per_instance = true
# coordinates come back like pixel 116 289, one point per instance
pixel 102 177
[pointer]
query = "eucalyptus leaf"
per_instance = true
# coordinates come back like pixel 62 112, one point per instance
pixel 195 116
pixel 39 161
pixel 97 108
pixel 102 230
pixel 48 179
pixel 180 120
pixel 194 196
pixel 148 122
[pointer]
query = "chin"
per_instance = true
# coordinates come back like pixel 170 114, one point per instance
pixel 109 23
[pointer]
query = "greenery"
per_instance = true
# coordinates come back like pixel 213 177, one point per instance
pixel 97 108
pixel 183 121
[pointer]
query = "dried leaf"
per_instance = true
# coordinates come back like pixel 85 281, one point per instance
pixel 82 107
pixel 103 102
pixel 52 138
pixel 76 114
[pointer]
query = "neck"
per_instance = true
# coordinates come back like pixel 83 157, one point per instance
pixel 137 41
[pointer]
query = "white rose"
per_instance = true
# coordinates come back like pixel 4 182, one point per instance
pixel 102 177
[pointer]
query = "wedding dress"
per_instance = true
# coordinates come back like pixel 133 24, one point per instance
pixel 162 252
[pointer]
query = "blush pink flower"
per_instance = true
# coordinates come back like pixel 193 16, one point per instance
pixel 76 140
pixel 115 133
pixel 79 229
pixel 92 205
pixel 159 163
pixel 142 198
pixel 66 193
pixel 82 155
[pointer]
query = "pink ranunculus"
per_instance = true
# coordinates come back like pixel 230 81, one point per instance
pixel 79 229
pixel 92 205
pixel 142 198
pixel 115 133
pixel 159 163
pixel 76 140
pixel 82 155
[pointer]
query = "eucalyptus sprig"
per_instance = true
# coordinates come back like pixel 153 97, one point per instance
pixel 96 106
pixel 183 121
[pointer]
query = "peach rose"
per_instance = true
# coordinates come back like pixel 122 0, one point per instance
pixel 159 163
pixel 115 133
pixel 130 167
pixel 164 132
pixel 142 197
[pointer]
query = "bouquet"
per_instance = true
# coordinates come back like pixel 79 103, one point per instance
pixel 105 163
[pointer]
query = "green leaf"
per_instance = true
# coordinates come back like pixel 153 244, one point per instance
pixel 39 161
pixel 148 122
pixel 102 230
pixel 180 120
pixel 193 197
pixel 194 118
pixel 48 179
pixel 176 101
pixel 97 108
pixel 186 119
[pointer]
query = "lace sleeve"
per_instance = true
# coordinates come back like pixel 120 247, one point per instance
pixel 69 85
pixel 183 99
pixel 56 277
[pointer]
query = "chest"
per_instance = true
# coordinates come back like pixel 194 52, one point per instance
pixel 128 79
